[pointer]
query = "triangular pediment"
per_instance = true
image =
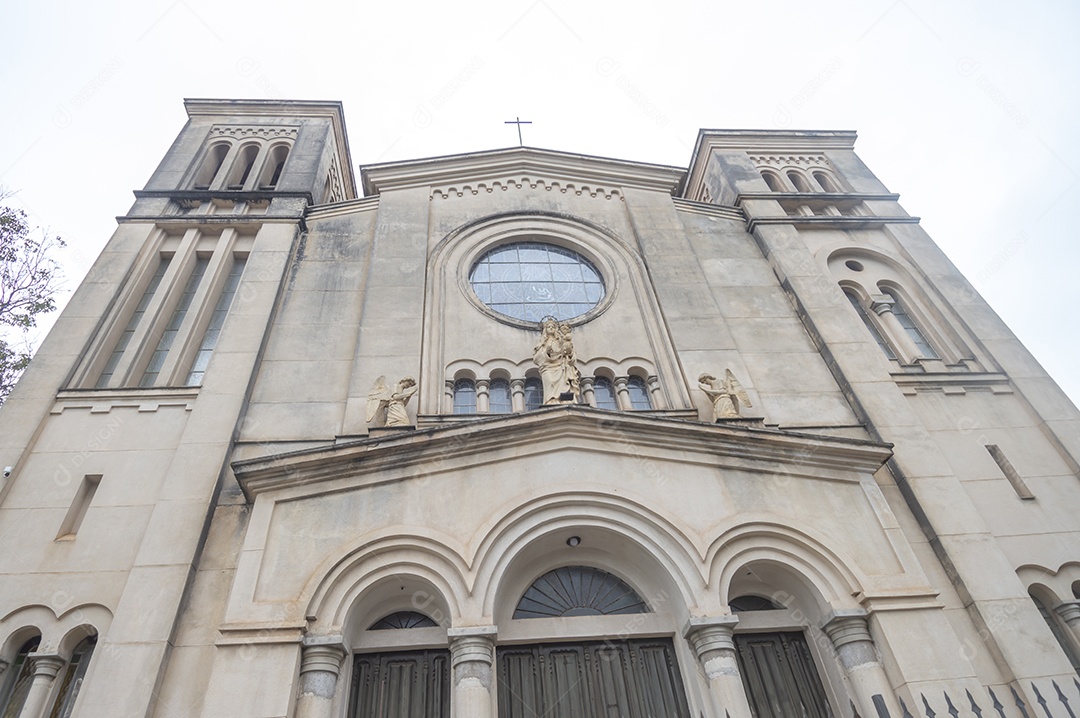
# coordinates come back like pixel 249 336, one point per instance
pixel 414 453
pixel 516 167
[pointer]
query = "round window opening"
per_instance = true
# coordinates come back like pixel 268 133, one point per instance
pixel 533 280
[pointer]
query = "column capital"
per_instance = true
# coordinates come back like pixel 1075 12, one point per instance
pixel 517 385
pixel 46 664
pixel 846 626
pixel 881 303
pixel 1069 611
pixel 472 644
pixel 587 382
pixel 711 633
pixel 322 653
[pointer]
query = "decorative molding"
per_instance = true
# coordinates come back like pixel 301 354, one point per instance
pixel 708 210
pixel 956 383
pixel 265 132
pixel 326 211
pixel 485 168
pixel 102 401
pixel 829 222
pixel 549 185
pixel 803 161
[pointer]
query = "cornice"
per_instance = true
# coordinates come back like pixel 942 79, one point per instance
pixel 389 457
pixel 325 211
pixel 760 141
pixel 828 222
pixel 452 173
pixel 709 209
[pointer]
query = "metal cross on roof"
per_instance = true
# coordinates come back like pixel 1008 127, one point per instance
pixel 519 122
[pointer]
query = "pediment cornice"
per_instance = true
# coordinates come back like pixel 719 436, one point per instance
pixel 454 175
pixel 408 454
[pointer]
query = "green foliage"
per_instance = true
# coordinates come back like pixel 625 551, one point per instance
pixel 29 279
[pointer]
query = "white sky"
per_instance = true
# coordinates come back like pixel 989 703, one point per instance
pixel 967 109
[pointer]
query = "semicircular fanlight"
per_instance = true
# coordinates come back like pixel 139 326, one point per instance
pixel 750 602
pixel 402 619
pixel 578 591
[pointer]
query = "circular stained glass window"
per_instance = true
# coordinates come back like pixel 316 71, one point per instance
pixel 532 280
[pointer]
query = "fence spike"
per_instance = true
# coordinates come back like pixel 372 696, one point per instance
pixel 1019 702
pixel 1041 701
pixel 1064 700
pixel 997 704
pixel 903 709
pixel 926 706
pixel 952 709
pixel 974 706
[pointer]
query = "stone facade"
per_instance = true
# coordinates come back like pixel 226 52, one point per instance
pixel 202 518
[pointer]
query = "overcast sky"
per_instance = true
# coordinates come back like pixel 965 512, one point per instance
pixel 967 109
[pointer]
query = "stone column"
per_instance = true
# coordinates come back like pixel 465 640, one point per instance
pixel 587 391
pixel 448 397
pixel 320 664
pixel 653 383
pixel 622 394
pixel 472 659
pixel 46 666
pixel 517 395
pixel 882 304
pixel 483 396
pixel 714 646
pixel 850 635
pixel 1070 614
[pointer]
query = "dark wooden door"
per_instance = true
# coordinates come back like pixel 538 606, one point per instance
pixel 779 675
pixel 601 679
pixel 412 684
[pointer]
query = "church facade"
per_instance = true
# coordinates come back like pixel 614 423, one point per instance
pixel 528 433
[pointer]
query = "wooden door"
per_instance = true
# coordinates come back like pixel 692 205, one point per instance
pixel 411 684
pixel 779 675
pixel 601 679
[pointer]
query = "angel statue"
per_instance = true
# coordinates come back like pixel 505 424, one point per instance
pixel 393 402
pixel 558 364
pixel 725 395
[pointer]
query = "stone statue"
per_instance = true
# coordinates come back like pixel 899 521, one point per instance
pixel 725 395
pixel 558 364
pixel 390 404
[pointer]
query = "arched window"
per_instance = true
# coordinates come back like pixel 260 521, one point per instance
pixel 499 397
pixel 402 619
pixel 1059 633
pixel 73 678
pixel 752 603
pixel 19 675
pixel 464 396
pixel 825 181
pixel 534 393
pixel 275 162
pixel 604 393
pixel 578 591
pixel 799 181
pixel 241 168
pixel 870 326
pixel 639 393
pixel 773 180
pixel 211 164
pixel 912 329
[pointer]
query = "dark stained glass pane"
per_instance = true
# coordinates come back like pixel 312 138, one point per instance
pixel 578 591
pixel 532 280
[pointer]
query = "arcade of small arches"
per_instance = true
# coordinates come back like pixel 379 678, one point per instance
pixel 245 164
pixel 574 578
pixel 499 392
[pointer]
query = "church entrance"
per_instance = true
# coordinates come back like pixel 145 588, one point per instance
pixel 599 679
pixel 410 684
pixel 779 676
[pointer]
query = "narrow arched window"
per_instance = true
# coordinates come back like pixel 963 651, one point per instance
pixel 211 164
pixel 1059 633
pixel 639 393
pixel 825 181
pixel 799 181
pixel 534 394
pixel 245 160
pixel 773 181
pixel 73 678
pixel 870 325
pixel 579 591
pixel 464 396
pixel 910 327
pixel 499 397
pixel 604 393
pixel 275 162
pixel 19 675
